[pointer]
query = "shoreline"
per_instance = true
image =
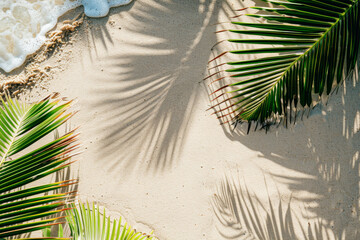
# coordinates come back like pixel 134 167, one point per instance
pixel 154 155
pixel 38 66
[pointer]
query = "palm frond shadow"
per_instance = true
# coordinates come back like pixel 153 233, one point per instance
pixel 232 89
pixel 66 174
pixel 241 215
pixel 96 30
pixel 325 152
pixel 149 99
pixel 214 80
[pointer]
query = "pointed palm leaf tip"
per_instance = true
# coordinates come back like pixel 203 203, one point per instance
pixel 88 222
pixel 317 47
pixel 23 208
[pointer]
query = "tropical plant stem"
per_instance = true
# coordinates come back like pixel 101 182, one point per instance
pixel 302 55
pixel 13 139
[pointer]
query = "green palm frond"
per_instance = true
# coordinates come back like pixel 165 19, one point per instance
pixel 21 125
pixel 88 223
pixel 317 46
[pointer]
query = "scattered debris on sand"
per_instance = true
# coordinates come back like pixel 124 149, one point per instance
pixel 32 72
pixel 14 86
pixel 58 37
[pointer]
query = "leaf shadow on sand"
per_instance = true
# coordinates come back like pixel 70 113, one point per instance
pixel 66 175
pixel 242 215
pixel 96 31
pixel 150 93
pixel 324 150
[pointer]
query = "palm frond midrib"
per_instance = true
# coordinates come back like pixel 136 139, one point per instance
pixel 13 137
pixel 315 44
pixel 253 112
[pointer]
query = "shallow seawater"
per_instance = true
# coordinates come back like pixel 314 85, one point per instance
pixel 24 24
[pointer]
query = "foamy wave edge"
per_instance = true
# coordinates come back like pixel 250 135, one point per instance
pixel 24 24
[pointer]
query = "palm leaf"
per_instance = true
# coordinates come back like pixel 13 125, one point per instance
pixel 88 223
pixel 317 47
pixel 21 125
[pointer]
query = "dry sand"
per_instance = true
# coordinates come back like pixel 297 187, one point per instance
pixel 154 155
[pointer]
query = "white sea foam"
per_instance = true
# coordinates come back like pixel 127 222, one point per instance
pixel 24 23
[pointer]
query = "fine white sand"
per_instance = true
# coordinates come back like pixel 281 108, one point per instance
pixel 154 155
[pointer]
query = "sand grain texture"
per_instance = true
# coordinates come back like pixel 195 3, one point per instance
pixel 154 155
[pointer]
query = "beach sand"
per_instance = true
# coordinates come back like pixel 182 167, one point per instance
pixel 153 154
